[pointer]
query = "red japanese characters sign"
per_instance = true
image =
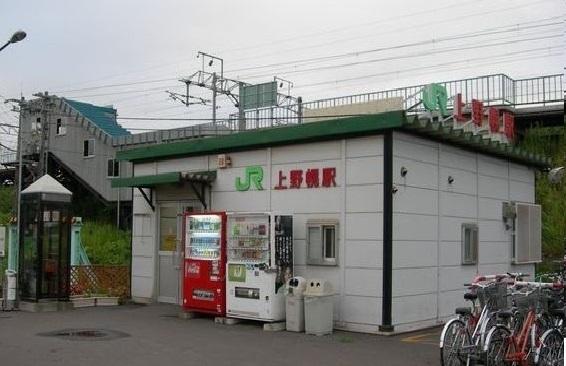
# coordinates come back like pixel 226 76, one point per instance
pixel 458 111
pixel 509 125
pixel 493 119
pixel 477 112
pixel 309 178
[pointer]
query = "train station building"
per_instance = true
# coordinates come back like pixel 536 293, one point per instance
pixel 416 207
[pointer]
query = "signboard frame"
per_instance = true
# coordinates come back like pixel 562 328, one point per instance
pixel 258 95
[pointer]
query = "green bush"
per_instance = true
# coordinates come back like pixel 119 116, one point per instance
pixel 104 244
pixel 550 142
pixel 6 202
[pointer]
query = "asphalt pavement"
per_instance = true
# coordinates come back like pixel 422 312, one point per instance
pixel 154 335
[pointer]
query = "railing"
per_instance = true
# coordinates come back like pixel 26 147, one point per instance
pixel 164 136
pixel 100 279
pixel 8 158
pixel 497 89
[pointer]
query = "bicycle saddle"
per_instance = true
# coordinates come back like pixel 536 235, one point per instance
pixel 561 312
pixel 505 314
pixel 463 311
pixel 470 296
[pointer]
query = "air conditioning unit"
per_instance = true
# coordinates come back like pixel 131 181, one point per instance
pixel 527 246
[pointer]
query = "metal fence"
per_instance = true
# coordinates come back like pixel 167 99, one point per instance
pixel 8 158
pixel 493 90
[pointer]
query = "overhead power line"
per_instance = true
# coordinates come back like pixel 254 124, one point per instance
pixel 487 32
pixel 397 30
pixel 280 40
pixel 432 66
pixel 141 82
pixel 412 55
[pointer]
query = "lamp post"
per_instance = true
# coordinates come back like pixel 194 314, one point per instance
pixel 16 37
pixel 556 174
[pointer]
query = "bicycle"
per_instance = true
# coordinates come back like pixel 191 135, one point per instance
pixel 463 337
pixel 517 345
pixel 551 349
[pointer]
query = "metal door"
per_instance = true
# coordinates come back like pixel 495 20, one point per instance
pixel 170 258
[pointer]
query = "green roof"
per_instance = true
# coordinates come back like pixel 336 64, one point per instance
pixel 332 130
pixel 147 181
pixel 103 117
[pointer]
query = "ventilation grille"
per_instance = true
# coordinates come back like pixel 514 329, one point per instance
pixel 527 247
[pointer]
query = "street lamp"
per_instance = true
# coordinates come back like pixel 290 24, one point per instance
pixel 16 37
pixel 556 174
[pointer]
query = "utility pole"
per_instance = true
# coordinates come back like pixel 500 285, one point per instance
pixel 218 84
pixel 214 98
pixel 23 106
pixel 46 105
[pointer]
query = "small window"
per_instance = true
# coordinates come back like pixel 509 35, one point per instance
pixel 36 126
pixel 88 148
pixel 113 168
pixel 61 129
pixel 469 243
pixel 322 243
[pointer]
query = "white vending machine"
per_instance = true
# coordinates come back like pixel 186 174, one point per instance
pixel 260 262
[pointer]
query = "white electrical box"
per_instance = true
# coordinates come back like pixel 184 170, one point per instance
pixel 527 247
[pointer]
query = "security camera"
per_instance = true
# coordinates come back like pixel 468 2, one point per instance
pixel 556 174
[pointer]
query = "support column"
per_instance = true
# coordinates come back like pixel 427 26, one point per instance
pixel 387 295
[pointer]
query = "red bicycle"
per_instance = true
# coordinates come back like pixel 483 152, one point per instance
pixel 517 345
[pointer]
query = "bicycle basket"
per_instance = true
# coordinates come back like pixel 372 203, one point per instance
pixel 537 300
pixel 494 296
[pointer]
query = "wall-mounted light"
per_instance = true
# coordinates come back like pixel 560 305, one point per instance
pixel 450 179
pixel 404 172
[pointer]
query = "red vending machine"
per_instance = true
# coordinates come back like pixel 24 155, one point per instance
pixel 204 288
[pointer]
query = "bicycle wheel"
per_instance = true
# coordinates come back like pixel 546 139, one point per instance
pixel 453 339
pixel 551 352
pixel 497 346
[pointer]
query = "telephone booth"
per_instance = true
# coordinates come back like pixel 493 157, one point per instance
pixel 45 234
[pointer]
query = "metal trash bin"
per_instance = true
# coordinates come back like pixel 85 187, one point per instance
pixel 319 307
pixel 295 304
pixel 9 287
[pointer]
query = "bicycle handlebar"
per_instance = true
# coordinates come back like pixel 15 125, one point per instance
pixel 499 277
pixel 536 285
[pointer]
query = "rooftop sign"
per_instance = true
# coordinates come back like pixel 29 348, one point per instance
pixel 259 95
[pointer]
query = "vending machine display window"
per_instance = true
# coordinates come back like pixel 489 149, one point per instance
pixel 205 260
pixel 260 261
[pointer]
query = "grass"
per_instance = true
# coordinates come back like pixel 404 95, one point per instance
pixel 104 244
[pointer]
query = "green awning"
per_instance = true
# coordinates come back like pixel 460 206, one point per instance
pixel 147 181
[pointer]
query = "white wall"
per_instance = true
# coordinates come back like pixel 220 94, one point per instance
pixel 355 203
pixel 428 276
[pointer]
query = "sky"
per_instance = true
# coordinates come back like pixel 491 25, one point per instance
pixel 127 53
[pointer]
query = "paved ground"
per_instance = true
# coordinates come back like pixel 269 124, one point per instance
pixel 158 337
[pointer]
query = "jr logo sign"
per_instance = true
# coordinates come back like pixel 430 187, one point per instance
pixel 434 97
pixel 253 176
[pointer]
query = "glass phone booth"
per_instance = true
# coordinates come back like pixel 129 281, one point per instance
pixel 45 235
